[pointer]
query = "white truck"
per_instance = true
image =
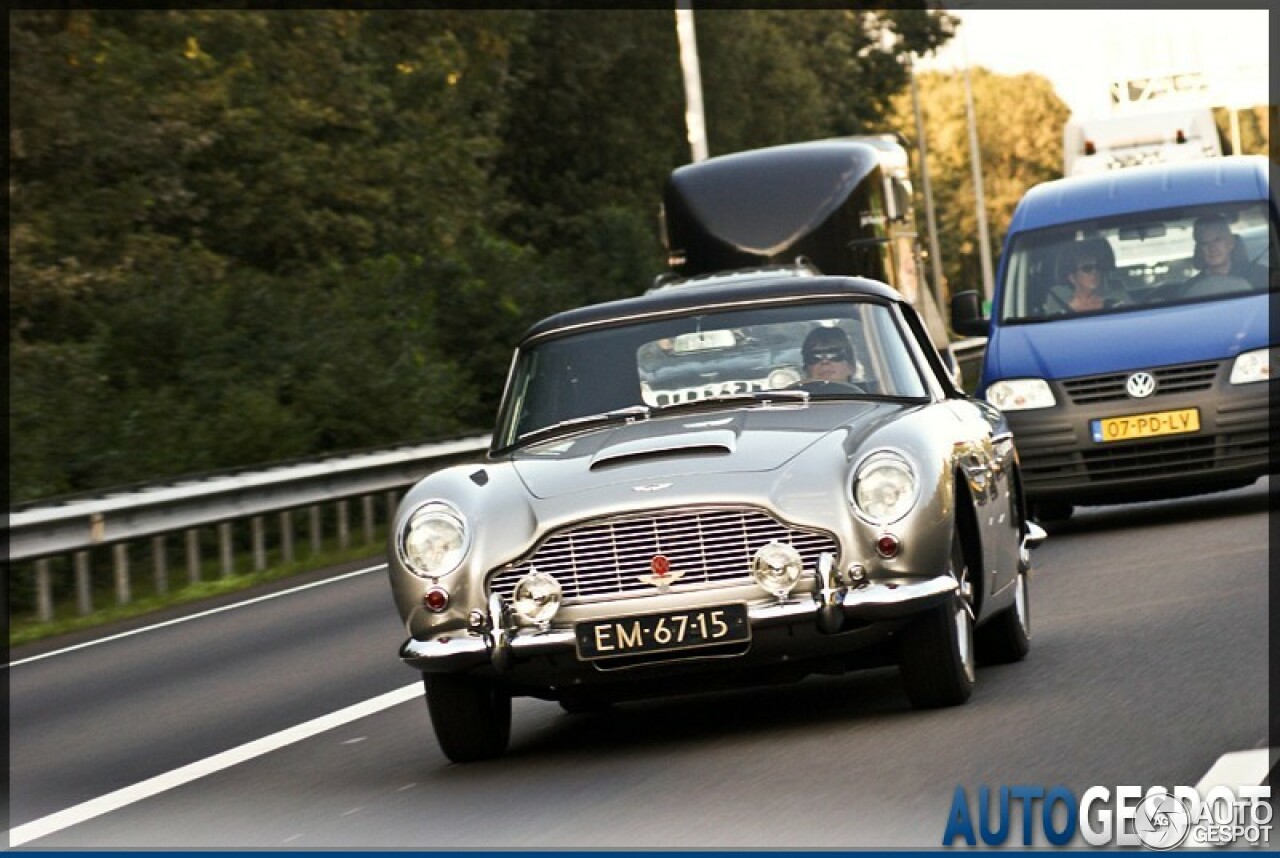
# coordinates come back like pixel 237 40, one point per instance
pixel 1130 139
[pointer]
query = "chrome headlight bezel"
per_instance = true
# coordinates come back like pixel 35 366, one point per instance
pixel 876 467
pixel 433 512
pixel 1256 365
pixel 1021 394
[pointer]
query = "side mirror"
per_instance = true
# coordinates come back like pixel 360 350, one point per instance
pixel 966 314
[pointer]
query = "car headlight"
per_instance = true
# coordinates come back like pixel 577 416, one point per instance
pixel 1257 365
pixel 433 540
pixel 1021 394
pixel 884 487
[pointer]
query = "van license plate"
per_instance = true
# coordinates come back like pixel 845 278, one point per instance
pixel 673 630
pixel 1149 425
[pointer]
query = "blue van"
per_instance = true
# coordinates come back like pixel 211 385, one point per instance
pixel 1129 342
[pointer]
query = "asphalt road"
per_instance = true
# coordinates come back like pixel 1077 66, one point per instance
pixel 1149 661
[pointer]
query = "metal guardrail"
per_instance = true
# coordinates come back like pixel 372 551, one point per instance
pixel 75 527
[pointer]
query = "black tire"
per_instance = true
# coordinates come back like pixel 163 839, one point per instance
pixel 936 651
pixel 471 716
pixel 1048 512
pixel 1006 637
pixel 585 705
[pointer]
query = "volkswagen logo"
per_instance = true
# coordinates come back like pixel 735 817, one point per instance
pixel 1140 385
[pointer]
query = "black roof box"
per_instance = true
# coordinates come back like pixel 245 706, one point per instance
pixel 820 200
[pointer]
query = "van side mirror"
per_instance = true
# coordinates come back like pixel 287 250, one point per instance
pixel 966 314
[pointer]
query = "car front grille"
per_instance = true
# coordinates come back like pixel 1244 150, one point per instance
pixel 1187 378
pixel 606 558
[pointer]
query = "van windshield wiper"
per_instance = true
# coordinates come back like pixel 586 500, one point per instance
pixel 617 415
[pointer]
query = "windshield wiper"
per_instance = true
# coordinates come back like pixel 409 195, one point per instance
pixel 617 415
pixel 733 400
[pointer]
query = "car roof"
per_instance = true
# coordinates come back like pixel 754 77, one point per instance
pixel 1152 187
pixel 716 291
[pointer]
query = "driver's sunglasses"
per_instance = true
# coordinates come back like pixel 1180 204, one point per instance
pixel 1087 267
pixel 829 355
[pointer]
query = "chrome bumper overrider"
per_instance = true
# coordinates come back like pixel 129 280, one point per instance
pixel 828 609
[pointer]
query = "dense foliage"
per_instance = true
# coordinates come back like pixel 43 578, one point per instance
pixel 246 236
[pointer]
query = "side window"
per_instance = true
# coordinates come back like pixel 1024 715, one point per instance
pixel 933 360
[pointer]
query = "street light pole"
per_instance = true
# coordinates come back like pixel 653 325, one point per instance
pixel 979 198
pixel 935 255
pixel 693 117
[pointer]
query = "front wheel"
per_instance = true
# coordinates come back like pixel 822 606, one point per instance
pixel 936 651
pixel 1006 638
pixel 471 716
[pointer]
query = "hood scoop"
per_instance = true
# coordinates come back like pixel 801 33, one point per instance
pixel 694 444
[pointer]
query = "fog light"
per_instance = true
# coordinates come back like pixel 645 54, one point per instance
pixel 436 599
pixel 537 597
pixel 888 546
pixel 777 568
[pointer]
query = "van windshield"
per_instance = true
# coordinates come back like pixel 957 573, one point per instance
pixel 1138 261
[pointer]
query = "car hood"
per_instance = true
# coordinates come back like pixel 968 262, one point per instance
pixel 690 447
pixel 1214 330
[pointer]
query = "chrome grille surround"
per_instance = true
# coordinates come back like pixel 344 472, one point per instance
pixel 602 559
pixel 1187 378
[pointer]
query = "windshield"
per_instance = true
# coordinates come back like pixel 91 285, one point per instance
pixel 1141 260
pixel 774 353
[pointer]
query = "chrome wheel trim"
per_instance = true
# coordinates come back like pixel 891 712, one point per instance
pixel 1020 604
pixel 963 618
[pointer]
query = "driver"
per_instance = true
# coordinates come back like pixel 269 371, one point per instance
pixel 828 356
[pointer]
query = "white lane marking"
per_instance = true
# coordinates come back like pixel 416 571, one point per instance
pixel 1236 769
pixel 200 615
pixel 1239 768
pixel 96 807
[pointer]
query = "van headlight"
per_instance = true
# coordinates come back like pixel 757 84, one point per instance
pixel 1021 394
pixel 1257 365
pixel 884 487
pixel 433 540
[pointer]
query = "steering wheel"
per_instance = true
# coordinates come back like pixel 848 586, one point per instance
pixel 819 387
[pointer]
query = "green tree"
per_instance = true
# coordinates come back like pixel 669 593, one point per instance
pixel 242 235
pixel 1019 121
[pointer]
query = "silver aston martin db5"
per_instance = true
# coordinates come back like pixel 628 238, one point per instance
pixel 731 479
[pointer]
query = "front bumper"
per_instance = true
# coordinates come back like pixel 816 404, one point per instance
pixel 1060 460
pixel 822 615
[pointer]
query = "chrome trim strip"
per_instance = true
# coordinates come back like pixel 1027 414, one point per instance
pixel 874 602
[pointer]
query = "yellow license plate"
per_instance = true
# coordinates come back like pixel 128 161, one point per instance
pixel 1147 425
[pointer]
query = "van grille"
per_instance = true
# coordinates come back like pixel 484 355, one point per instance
pixel 1188 378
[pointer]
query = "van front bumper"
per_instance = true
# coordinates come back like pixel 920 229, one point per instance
pixel 1062 462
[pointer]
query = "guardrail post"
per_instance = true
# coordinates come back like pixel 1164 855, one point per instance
pixel 193 556
pixel 224 546
pixel 286 537
pixel 160 563
pixel 44 591
pixel 124 593
pixel 259 549
pixel 84 588
pixel 314 514
pixel 393 501
pixel 344 534
pixel 366 508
